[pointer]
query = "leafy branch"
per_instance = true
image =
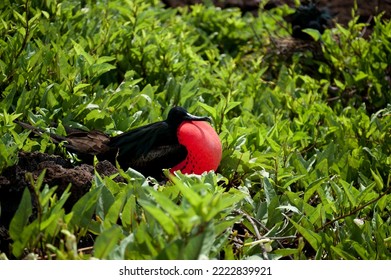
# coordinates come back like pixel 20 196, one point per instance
pixel 356 210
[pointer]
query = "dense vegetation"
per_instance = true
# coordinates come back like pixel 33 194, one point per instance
pixel 305 127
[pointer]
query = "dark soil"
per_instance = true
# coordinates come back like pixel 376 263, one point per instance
pixel 340 9
pixel 59 172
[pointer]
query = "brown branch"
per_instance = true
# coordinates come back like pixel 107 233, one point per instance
pixel 253 222
pixel 259 237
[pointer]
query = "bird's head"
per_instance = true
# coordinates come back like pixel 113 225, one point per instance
pixel 177 115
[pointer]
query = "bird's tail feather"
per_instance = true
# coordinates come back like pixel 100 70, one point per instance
pixel 39 131
pixel 84 143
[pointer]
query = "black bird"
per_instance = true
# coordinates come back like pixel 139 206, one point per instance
pixel 181 142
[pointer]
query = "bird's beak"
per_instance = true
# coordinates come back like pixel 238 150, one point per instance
pixel 191 117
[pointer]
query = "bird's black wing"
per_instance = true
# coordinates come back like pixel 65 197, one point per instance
pixel 159 158
pixel 141 140
pixel 149 149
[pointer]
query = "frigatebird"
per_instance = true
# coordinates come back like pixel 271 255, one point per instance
pixel 181 142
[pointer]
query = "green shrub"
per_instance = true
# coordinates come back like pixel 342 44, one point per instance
pixel 306 165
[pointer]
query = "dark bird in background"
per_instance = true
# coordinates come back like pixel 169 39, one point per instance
pixel 181 142
pixel 309 16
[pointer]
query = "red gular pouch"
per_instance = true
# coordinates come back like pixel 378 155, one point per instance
pixel 203 145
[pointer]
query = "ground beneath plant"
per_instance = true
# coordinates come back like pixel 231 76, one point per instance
pixel 59 172
pixel 341 9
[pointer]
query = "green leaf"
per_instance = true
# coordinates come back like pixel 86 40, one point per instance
pixel 20 231
pixel 314 239
pixel 114 211
pixel 84 209
pixel 231 105
pixel 105 201
pixel 104 59
pixel 378 180
pixel 313 187
pixel 80 51
pixel 171 208
pixel 107 242
pixel 315 34
pixel 199 246
pixel 80 86
pixel 342 254
pixel 269 190
pixel 348 189
pixel 119 252
pixel 274 214
pixel 192 197
pixel 129 212
pixel 211 110
pixel 285 252
pixel 99 69
pixel 160 216
pixel 22 215
pixel 360 76
pixel 292 180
